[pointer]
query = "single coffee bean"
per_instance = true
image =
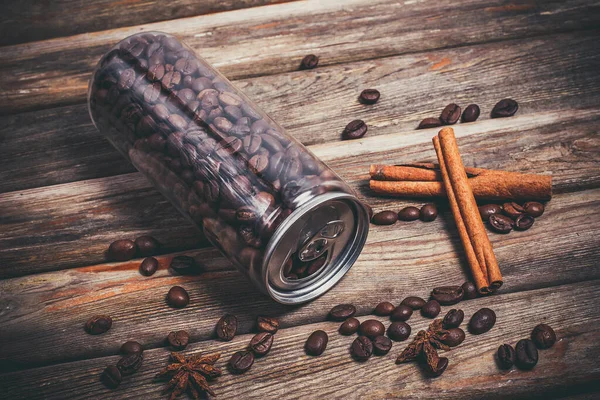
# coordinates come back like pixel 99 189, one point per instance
pixel 384 218
pixel 428 212
pixel 149 266
pixel 527 354
pixel 98 324
pixel 543 336
pixel 371 328
pixel 122 250
pixel 482 321
pixel 470 290
pixel 489 209
pixel 512 210
pixel 184 265
pixel 316 343
pixel 178 297
pixel 533 208
pixel 384 308
pixel 506 356
pixel 439 368
pixel 261 343
pixel 131 347
pixel 349 327
pixel 414 302
pixel 362 348
pixel 309 62
pixel 448 295
pixel 241 362
pixel 524 222
pixel 431 309
pixel 354 130
pixel 501 223
pixel 369 96
pixel 227 327
pixel 451 114
pixel 453 337
pixel 267 324
pixel 398 331
pixel 505 108
pixel 111 377
pixel 401 313
pixel 178 340
pixel 129 364
pixel 453 319
pixel 471 113
pixel 429 123
pixel 409 214
pixel 126 79
pixel 381 345
pixel 342 312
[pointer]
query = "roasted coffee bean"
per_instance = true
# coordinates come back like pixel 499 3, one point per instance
pixel 447 295
pixel 381 345
pixel 342 312
pixel 506 356
pixel 409 214
pixel 241 362
pixel 482 321
pixel 501 223
pixel 354 130
pixel 178 340
pixel 533 208
pixel 261 343
pixel 505 108
pixel 149 266
pixel 384 308
pixel 470 290
pixel 184 265
pixel 259 163
pixel 453 337
pixel 171 79
pixel 252 143
pixel 362 348
pixel 401 313
pixel 471 113
pixel 489 209
pixel 126 79
pixel 451 114
pixel 122 250
pixel 267 324
pixel 369 96
pixel 527 354
pixel 227 327
pixel 349 327
pixel 512 210
pixel 371 328
pixel 431 309
pixel 428 212
pixel 178 297
pixel 453 319
pixel 316 343
pixel 111 377
pixel 129 364
pixel 131 347
pixel 384 218
pixel 98 324
pixel 414 302
pixel 524 222
pixel 147 245
pixel 439 368
pixel 429 123
pixel 543 336
pixel 398 331
pixel 309 62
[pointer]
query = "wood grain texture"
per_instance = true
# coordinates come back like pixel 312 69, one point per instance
pixel 409 258
pixel 570 367
pixel 60 145
pixel 30 20
pixel 266 40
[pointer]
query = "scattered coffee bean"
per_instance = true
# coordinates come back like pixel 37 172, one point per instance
pixel 354 130
pixel 316 343
pixel 533 208
pixel 178 340
pixel 178 297
pixel 429 123
pixel 98 324
pixel 489 209
pixel 401 313
pixel 362 348
pixel 129 364
pixel 482 321
pixel 471 113
pixel 470 290
pixel 428 212
pixel 349 327
pixel 184 265
pixel 448 295
pixel 131 347
pixel 267 324
pixel 440 368
pixel 501 223
pixel 381 345
pixel 451 114
pixel 409 214
pixel 384 308
pixel 369 96
pixel 527 354
pixel 524 222
pixel 398 331
pixel 241 362
pixel 454 337
pixel 121 250
pixel 385 218
pixel 414 302
pixel 342 312
pixel 227 327
pixel 149 266
pixel 512 210
pixel 506 356
pixel 431 309
pixel 453 319
pixel 261 343
pixel 371 328
pixel 147 245
pixel 111 377
pixel 309 62
pixel 543 336
pixel 505 108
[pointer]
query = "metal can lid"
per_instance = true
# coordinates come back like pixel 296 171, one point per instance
pixel 334 225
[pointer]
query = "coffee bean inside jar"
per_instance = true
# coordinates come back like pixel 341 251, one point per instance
pixel 256 193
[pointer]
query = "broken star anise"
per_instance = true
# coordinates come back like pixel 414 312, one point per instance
pixel 191 374
pixel 423 346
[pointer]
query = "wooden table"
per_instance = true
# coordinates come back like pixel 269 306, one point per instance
pixel 65 193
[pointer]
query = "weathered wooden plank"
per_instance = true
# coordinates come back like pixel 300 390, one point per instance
pixel 60 145
pixel 570 367
pixel 30 20
pixel 273 39
pixel 398 260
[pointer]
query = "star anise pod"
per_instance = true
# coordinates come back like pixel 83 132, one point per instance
pixel 424 344
pixel 191 374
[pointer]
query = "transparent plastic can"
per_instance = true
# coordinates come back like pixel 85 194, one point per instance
pixel 278 213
